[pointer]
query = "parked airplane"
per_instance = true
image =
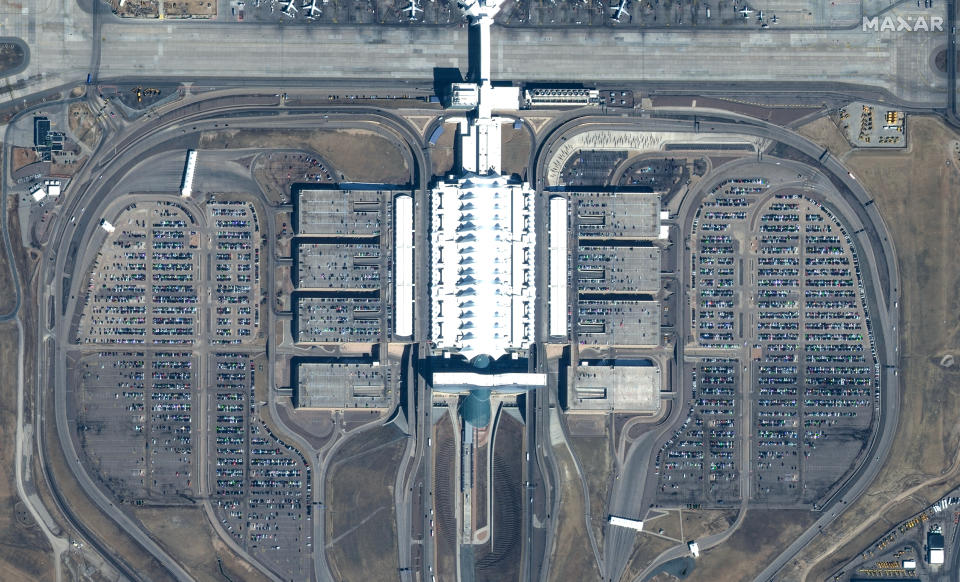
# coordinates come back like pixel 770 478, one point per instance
pixel 412 9
pixel 760 15
pixel 620 11
pixel 745 12
pixel 311 8
pixel 773 20
pixel 288 8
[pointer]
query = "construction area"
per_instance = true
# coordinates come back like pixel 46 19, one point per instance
pixel 867 125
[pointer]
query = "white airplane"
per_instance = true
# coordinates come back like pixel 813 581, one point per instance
pixel 311 8
pixel 288 8
pixel 745 12
pixel 760 15
pixel 412 9
pixel 619 11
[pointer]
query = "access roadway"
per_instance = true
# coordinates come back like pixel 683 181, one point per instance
pixel 635 124
pixel 44 346
pixel 876 247
pixel 125 155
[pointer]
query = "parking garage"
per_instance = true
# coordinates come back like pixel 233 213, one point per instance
pixel 343 383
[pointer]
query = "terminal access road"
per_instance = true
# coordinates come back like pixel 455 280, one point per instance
pixel 170 126
pixel 86 201
pixel 873 237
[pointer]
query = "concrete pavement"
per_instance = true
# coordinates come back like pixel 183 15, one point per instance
pixel 647 123
pixel 899 62
pixel 65 45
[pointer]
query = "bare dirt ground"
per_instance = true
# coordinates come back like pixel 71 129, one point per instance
pixel 276 172
pixel 83 125
pixel 666 523
pixel 826 133
pixel 189 8
pixel 23 157
pixel 763 534
pixel 205 556
pixel 66 170
pixel 11 56
pixel 7 299
pixel 361 527
pixel 916 192
pixel 359 155
pixel 705 522
pixel 136 8
pixel 24 552
pixel 645 549
pixel 516 150
pixel 572 557
pixel 441 155
pixel 692 525
pixel 597 464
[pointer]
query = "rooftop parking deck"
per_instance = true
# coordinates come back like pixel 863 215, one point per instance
pixel 618 269
pixel 338 212
pixel 624 386
pixel 346 383
pixel 328 319
pixel 621 322
pixel 627 215
pixel 351 265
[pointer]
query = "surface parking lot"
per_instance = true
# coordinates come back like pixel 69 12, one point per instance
pixel 150 417
pixel 134 421
pixel 143 286
pixel 260 486
pixel 236 272
pixel 354 265
pixel 622 268
pixel 339 212
pixel 701 462
pixel 341 273
pixel 778 282
pixel 338 319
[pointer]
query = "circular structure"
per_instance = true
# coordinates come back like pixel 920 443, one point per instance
pixel 475 408
pixel 14 55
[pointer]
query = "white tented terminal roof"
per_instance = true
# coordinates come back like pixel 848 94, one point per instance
pixel 480 143
pixel 558 266
pixel 482 255
pixel 403 263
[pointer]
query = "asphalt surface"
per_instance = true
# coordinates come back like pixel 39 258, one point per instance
pixel 149 137
pixel 876 247
pixel 139 146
